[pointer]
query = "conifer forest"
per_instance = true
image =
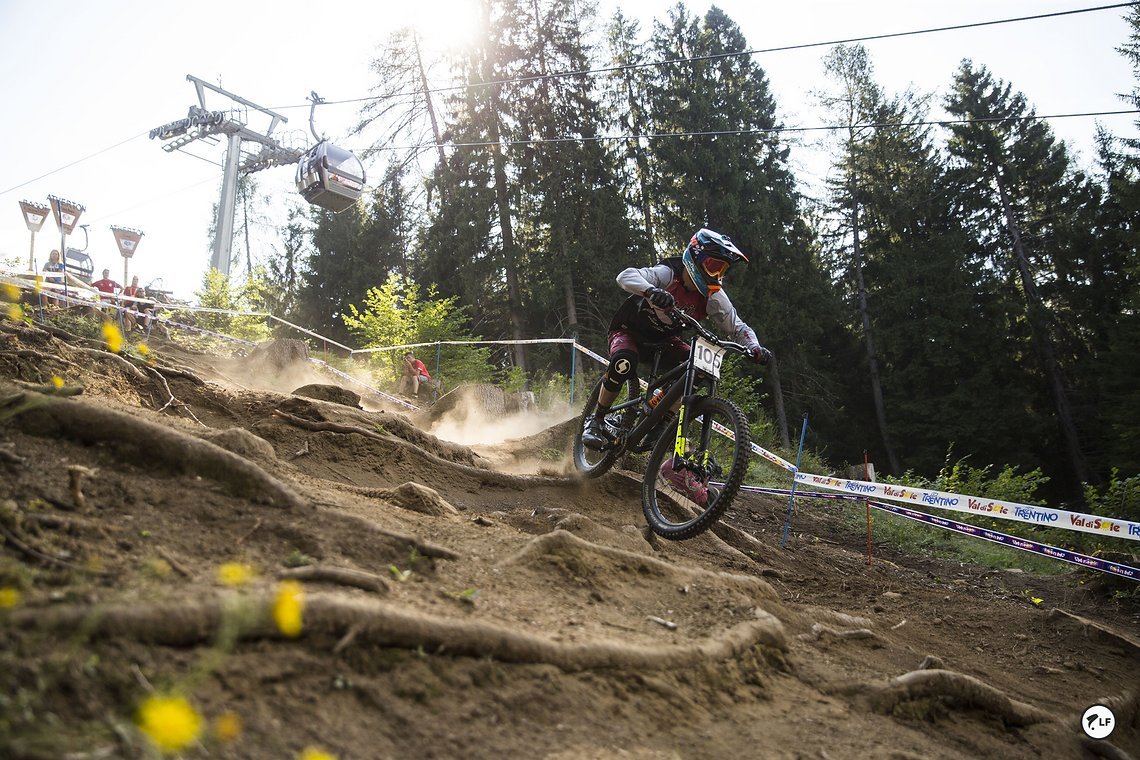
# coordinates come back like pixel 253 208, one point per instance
pixel 957 287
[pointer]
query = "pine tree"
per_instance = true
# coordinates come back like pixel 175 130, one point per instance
pixel 1017 182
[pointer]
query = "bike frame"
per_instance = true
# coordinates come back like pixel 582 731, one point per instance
pixel 675 390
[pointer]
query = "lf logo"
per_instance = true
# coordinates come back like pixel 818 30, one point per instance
pixel 1098 722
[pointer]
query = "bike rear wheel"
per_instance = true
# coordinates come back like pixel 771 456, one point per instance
pixel 675 511
pixel 591 462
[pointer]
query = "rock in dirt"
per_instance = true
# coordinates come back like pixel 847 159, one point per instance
pixel 333 393
pixel 419 498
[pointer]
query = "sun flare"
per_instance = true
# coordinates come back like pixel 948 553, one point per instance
pixel 446 25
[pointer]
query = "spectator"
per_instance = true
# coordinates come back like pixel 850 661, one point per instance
pixel 415 373
pixel 144 309
pixel 107 285
pixel 54 265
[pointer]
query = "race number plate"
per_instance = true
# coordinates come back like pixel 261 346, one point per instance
pixel 709 357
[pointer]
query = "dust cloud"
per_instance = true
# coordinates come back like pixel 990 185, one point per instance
pixel 470 425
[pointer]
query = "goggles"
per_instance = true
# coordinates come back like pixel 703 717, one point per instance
pixel 714 268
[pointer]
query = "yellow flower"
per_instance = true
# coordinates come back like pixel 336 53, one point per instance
pixel 11 292
pixel 14 312
pixel 57 381
pixel 39 284
pixel 170 722
pixel 235 574
pixel 227 727
pixel 10 597
pixel 312 753
pixel 112 337
pixel 144 349
pixel 287 608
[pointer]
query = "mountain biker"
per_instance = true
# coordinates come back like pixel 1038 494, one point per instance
pixel 690 282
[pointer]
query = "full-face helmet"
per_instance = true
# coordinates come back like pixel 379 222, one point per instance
pixel 708 257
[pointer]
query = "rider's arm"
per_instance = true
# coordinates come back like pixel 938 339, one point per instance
pixel 723 313
pixel 638 281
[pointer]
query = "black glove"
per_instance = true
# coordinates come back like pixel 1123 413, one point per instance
pixel 660 299
pixel 760 355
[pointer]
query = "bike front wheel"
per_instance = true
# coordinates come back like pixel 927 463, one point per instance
pixel 685 498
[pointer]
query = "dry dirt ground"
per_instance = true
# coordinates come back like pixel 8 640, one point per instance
pixel 455 610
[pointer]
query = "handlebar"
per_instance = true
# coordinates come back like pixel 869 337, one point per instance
pixel 711 337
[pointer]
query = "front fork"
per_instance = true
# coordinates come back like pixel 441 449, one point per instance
pixel 680 442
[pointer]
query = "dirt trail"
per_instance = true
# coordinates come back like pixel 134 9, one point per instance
pixel 454 609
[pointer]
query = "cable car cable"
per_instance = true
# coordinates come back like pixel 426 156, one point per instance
pixel 718 56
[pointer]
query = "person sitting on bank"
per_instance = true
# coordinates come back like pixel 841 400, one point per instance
pixel 144 309
pixel 414 373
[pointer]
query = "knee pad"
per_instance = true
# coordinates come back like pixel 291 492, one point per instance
pixel 623 366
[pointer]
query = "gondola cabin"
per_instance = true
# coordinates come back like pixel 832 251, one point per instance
pixel 330 177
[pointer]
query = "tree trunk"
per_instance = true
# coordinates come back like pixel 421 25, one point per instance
pixel 431 116
pixel 872 358
pixel 1034 310
pixel 502 199
pixel 778 400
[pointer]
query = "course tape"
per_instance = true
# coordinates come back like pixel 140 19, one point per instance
pixel 997 537
pixel 1002 510
pixel 363 384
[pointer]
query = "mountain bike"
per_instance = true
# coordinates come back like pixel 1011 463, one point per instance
pixel 698 455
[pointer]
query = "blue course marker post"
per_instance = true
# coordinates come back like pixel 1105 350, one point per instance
pixel 792 498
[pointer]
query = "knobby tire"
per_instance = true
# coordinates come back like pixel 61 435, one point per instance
pixel 729 415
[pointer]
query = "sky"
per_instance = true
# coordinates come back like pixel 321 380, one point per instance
pixel 84 82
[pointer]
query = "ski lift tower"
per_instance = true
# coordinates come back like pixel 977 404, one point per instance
pixel 211 127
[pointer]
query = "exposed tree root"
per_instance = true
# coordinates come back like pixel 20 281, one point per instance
pixel 163 445
pixel 340 575
pixel 34 554
pixel 192 623
pixel 1093 629
pixel 485 477
pixel 819 630
pixel 563 542
pixel 925 684
pixel 109 358
pixel 425 548
pixel 1101 748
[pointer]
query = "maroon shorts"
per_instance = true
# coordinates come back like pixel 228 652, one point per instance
pixel 676 350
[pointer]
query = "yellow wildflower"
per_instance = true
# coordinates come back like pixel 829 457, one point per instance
pixel 10 597
pixel 14 312
pixel 235 574
pixel 39 283
pixel 287 608
pixel 57 381
pixel 312 753
pixel 112 337
pixel 144 349
pixel 227 727
pixel 11 292
pixel 169 722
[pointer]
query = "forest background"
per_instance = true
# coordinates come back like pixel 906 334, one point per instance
pixel 959 289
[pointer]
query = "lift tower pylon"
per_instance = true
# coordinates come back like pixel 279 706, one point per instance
pixel 205 125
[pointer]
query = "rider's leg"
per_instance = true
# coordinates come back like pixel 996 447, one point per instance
pixel 623 366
